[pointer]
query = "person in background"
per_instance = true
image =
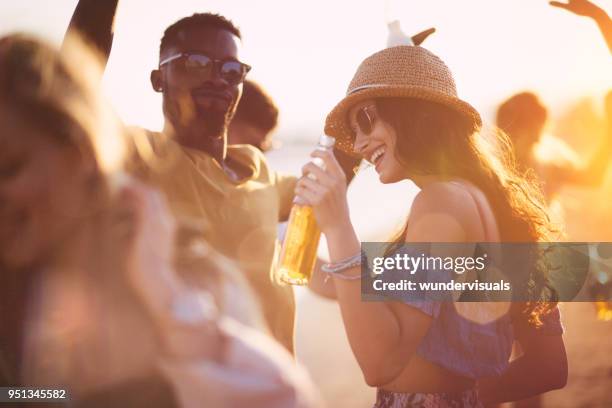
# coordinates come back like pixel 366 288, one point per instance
pixel 523 118
pixel 98 294
pixel 255 119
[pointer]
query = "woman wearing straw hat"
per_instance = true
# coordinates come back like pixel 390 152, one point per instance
pixel 402 114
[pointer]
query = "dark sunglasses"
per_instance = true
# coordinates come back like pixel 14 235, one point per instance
pixel 232 71
pixel 365 119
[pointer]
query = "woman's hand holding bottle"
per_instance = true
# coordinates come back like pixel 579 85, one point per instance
pixel 325 190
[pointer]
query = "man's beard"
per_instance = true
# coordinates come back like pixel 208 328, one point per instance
pixel 212 124
pixel 187 117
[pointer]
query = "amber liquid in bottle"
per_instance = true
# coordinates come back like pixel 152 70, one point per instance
pixel 299 252
pixel 300 246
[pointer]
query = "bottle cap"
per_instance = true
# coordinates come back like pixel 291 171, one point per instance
pixel 326 141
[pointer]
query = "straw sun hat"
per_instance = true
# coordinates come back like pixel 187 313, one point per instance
pixel 403 71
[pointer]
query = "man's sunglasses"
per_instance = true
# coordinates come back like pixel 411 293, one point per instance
pixel 365 118
pixel 231 71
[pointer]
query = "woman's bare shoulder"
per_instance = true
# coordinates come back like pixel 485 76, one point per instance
pixel 444 196
pixel 442 211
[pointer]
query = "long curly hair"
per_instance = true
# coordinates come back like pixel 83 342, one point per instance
pixel 436 140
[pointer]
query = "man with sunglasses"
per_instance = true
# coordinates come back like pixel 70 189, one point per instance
pixel 200 77
pixel 236 200
pixel 229 188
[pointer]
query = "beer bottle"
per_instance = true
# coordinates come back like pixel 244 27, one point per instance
pixel 299 251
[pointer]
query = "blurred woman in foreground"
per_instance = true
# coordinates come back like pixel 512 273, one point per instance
pixel 93 296
pixel 402 114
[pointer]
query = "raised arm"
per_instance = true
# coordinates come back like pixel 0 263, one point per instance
pixel 383 336
pixel 94 20
pixel 587 9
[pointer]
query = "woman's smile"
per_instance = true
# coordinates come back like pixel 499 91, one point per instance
pixel 377 156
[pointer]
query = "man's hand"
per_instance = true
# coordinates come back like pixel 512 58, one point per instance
pixel 587 9
pixel 580 7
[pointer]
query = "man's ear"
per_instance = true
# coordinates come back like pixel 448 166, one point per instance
pixel 157 81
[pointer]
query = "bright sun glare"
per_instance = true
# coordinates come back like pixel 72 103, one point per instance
pixel 305 53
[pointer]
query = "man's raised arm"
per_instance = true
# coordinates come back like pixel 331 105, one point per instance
pixel 94 20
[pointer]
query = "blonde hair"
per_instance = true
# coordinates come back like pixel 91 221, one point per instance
pixel 60 92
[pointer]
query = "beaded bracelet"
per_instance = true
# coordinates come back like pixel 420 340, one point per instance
pixel 336 268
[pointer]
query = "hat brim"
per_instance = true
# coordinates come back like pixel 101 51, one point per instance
pixel 337 126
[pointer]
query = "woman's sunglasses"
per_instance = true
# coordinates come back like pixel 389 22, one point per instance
pixel 232 71
pixel 365 119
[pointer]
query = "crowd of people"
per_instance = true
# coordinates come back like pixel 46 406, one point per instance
pixel 137 268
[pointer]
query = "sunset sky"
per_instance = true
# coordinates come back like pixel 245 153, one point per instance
pixel 305 52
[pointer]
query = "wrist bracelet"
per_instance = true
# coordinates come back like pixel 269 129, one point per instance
pixel 336 268
pixel 341 276
pixel 350 262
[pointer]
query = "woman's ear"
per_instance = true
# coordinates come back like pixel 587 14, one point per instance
pixel 157 81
